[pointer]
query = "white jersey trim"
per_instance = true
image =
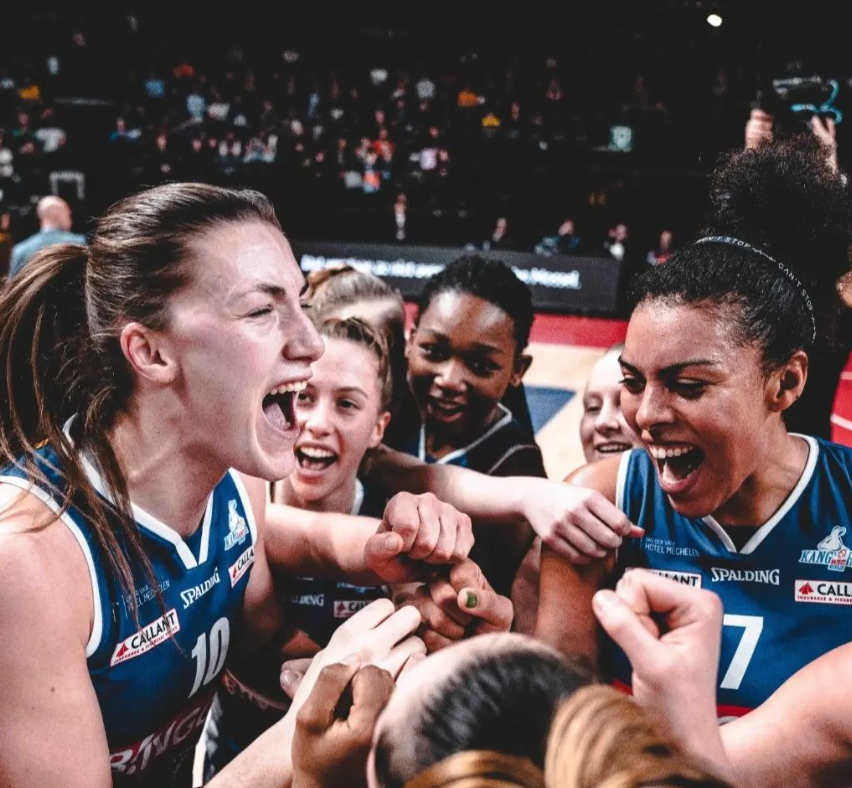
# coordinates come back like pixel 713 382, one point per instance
pixel 47 499
pixel 769 525
pixel 454 455
pixel 151 523
pixel 621 479
pixel 246 502
pixel 158 528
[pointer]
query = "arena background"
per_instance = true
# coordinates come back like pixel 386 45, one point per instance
pixel 623 110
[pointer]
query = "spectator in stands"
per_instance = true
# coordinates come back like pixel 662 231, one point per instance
pixel 54 215
pixel 7 161
pixel 617 242
pixel 499 238
pixel 663 250
pixel 566 241
pixel 161 160
pixel 400 215
pixel 50 134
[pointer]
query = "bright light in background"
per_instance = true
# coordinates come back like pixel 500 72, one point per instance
pixel 714 20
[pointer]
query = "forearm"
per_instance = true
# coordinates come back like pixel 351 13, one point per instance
pixel 565 618
pixel 483 498
pixel 770 746
pixel 319 544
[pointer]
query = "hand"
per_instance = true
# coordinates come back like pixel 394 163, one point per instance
pixel 332 741
pixel 377 635
pixel 417 529
pixel 577 523
pixel 758 130
pixel 671 633
pixel 460 604
pixel 825 131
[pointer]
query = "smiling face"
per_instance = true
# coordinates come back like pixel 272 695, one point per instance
pixel 603 428
pixel 243 348
pixel 462 356
pixel 340 416
pixel 699 402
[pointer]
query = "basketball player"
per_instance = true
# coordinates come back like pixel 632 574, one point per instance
pixel 138 374
pixel 716 351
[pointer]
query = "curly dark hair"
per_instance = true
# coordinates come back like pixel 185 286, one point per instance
pixel 490 280
pixel 785 200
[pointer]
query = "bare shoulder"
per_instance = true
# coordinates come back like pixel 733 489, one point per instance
pixel 601 476
pixel 42 567
pixel 46 615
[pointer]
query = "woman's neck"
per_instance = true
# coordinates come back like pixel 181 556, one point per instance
pixel 764 492
pixel 439 443
pixel 165 472
pixel 340 500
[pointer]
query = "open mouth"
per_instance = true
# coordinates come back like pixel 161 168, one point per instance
pixel 677 466
pixel 612 447
pixel 279 406
pixel 444 410
pixel 314 458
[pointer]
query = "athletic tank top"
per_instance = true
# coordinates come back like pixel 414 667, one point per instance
pixel 787 592
pixel 155 679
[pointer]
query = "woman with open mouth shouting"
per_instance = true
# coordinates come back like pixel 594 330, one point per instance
pixel 716 351
pixel 148 387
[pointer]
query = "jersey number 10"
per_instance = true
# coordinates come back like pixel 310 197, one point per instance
pixel 210 661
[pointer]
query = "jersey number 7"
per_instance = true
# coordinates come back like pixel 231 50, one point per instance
pixel 752 627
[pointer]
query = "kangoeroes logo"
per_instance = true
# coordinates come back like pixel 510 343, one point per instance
pixel 242 566
pixel 830 552
pixel 146 638
pixel 237 529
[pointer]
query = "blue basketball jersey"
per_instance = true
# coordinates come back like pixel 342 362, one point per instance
pixel 155 679
pixel 786 593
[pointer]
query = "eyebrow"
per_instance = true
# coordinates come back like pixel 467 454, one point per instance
pixel 356 389
pixel 477 346
pixel 276 291
pixel 672 368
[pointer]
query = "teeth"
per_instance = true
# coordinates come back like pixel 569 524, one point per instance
pixel 659 453
pixel 289 388
pixel 316 454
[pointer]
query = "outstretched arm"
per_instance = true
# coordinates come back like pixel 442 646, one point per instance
pixel 802 735
pixel 576 523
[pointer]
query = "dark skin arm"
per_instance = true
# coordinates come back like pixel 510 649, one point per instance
pixel 565 619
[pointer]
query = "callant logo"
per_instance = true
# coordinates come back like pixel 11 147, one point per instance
pixel 146 638
pixel 242 566
pixel 347 608
pixel 826 592
pixel 686 578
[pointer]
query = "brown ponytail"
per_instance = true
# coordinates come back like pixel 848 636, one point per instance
pixel 60 320
pixel 600 738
